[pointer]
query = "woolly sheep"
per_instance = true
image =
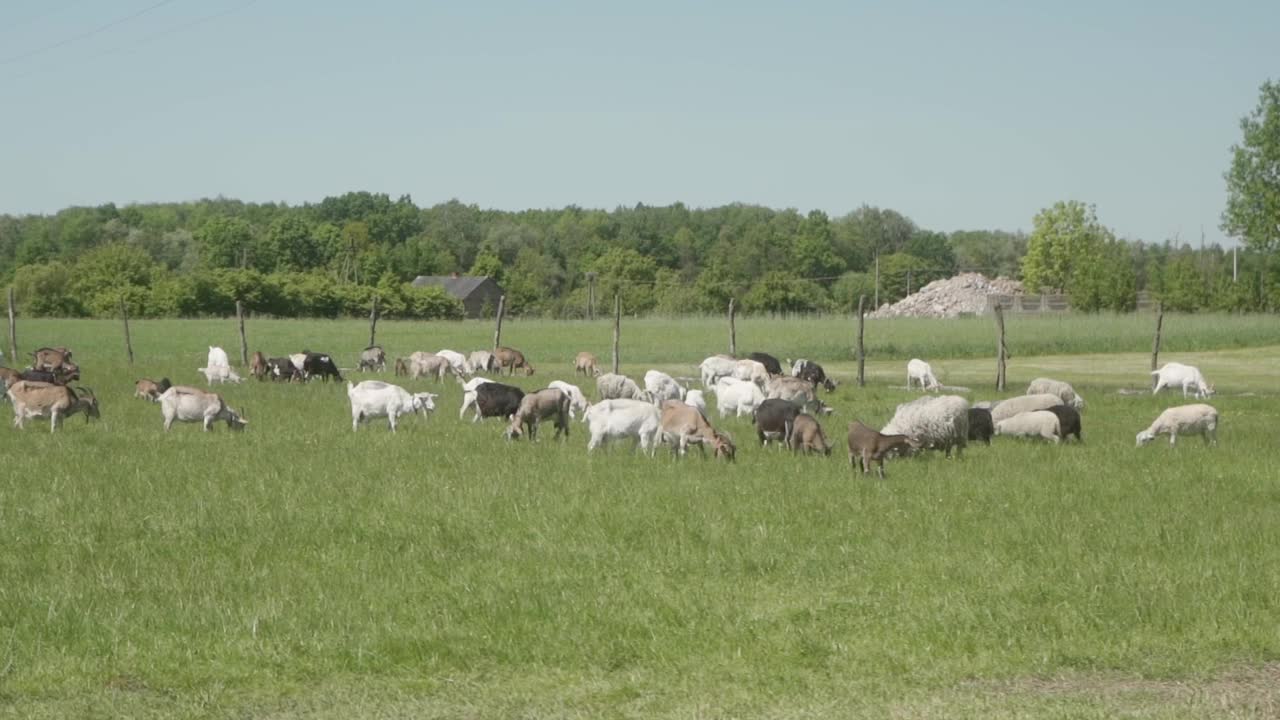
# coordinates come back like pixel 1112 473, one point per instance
pixel 1038 423
pixel 662 386
pixel 920 372
pixel 1198 419
pixel 934 422
pixel 619 387
pixel 980 426
pixel 1187 376
pixel 1006 409
pixel 695 398
pixel 1063 390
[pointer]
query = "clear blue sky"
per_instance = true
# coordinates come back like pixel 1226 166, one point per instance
pixel 959 115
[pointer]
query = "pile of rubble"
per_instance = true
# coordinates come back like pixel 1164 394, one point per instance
pixel 963 294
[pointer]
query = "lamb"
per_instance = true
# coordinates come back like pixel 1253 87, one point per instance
pixel 980 425
pixel 1063 390
pixel 619 387
pixel 1037 423
pixel 577 401
pixel 1174 374
pixel 921 373
pixel 870 446
pixel 934 422
pixel 1198 419
pixel 536 407
pixel 1023 404
pixel 661 387
pixel 807 435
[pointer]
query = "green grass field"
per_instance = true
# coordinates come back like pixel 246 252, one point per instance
pixel 300 570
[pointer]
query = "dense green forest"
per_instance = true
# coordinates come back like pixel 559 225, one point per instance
pixel 327 259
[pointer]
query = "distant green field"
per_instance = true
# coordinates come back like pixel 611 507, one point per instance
pixel 302 570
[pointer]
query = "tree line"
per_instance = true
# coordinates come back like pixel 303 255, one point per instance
pixel 329 258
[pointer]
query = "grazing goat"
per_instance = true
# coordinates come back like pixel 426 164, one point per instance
pixel 457 361
pixel 870 446
pixel 775 420
pixel 683 426
pixel 151 390
pixel 623 418
pixel 258 365
pixel 739 397
pixel 716 367
pixel 1198 419
pixel 374 398
pixel 372 359
pixel 807 435
pixel 800 392
pixel 920 372
pixel 770 363
pixel 538 406
pixel 586 364
pixel 1187 376
pixel 36 399
pixel 577 401
pixel 189 404
pixel 512 359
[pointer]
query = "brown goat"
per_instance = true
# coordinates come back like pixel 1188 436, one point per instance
pixel 512 359
pixel 807 435
pixel 37 399
pixel 9 376
pixel 871 445
pixel 683 425
pixel 536 407
pixel 586 364
pixel 258 365
pixel 402 367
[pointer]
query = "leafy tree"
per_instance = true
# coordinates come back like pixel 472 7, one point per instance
pixel 900 275
pixel 1184 287
pixel 45 290
pixel 488 264
pixel 1253 182
pixel 225 242
pixel 846 290
pixel 935 249
pixel 779 291
pixel 627 273
pixel 1064 236
pixel 814 252
pixel 293 244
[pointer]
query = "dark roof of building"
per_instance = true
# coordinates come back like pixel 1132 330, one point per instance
pixel 459 287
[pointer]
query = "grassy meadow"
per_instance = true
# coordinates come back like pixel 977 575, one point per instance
pixel 299 570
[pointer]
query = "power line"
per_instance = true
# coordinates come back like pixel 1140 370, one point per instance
pixel 143 41
pixel 42 15
pixel 82 36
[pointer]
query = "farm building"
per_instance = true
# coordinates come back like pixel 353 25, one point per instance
pixel 478 294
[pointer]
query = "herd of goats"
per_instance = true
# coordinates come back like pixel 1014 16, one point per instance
pixel 784 406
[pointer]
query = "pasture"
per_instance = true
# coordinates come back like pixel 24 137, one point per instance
pixel 302 570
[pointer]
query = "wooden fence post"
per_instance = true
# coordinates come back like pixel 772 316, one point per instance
pixel 373 321
pixel 1155 344
pixel 124 315
pixel 13 333
pixel 1002 350
pixel 862 353
pixel 733 329
pixel 591 296
pixel 244 344
pixel 497 333
pixel 617 328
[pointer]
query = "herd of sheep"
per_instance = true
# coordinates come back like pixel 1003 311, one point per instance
pixel 783 406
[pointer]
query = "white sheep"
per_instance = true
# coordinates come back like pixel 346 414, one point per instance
pixel 1174 374
pixel 1198 419
pixel 1006 409
pixel 935 422
pixel 921 373
pixel 1038 423
pixel 1063 390
pixel 619 387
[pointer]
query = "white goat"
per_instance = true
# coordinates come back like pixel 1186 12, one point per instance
pixel 623 418
pixel 921 373
pixel 1174 374
pixel 577 401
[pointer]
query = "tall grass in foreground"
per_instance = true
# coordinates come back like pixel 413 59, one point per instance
pixel 300 570
pixel 653 340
